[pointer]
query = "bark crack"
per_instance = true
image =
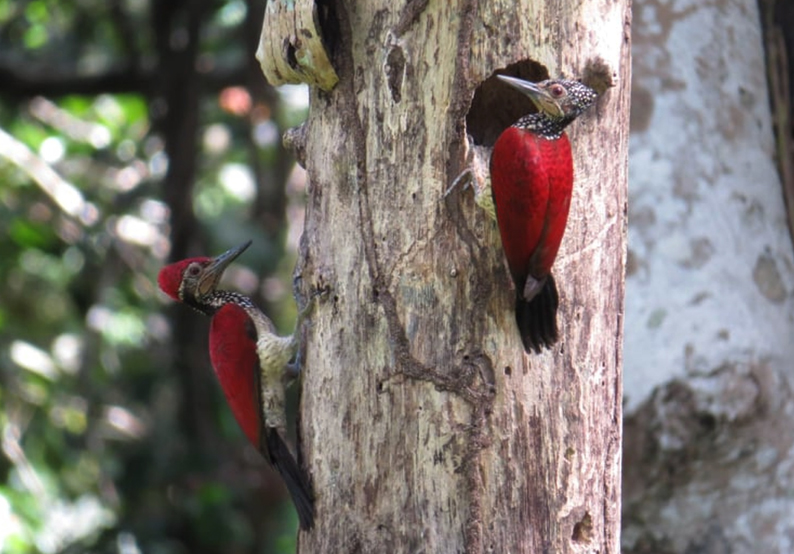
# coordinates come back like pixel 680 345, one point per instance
pixel 459 105
pixel 461 380
pixel 410 14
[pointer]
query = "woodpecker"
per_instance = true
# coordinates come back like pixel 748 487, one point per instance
pixel 531 174
pixel 250 360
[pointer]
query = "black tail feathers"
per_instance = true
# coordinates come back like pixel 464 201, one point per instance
pixel 294 477
pixel 537 319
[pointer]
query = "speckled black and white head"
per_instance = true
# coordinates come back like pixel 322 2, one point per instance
pixel 559 102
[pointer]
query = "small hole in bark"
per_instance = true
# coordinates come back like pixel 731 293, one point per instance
pixel 707 422
pixel 395 71
pixel 289 49
pixel 327 24
pixel 496 105
pixel 508 371
pixel 583 531
pixel 379 387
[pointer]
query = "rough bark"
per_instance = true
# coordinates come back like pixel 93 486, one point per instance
pixel 424 425
pixel 709 305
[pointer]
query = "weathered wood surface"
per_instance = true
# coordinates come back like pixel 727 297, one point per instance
pixel 424 425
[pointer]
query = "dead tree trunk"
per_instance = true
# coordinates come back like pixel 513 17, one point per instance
pixel 424 425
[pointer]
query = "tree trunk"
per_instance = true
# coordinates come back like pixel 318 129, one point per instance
pixel 424 425
pixel 709 434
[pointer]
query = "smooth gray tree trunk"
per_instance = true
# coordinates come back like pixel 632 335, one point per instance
pixel 709 432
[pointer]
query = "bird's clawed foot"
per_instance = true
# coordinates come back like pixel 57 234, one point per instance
pixel 292 371
pixel 306 311
pixel 465 177
pixel 477 176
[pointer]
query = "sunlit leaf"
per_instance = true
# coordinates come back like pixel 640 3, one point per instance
pixel 120 328
pixel 13 535
pixel 79 106
pixel 6 10
pixel 232 13
pixel 30 235
pixel 36 11
pixel 213 493
pixel 28 132
pixel 44 266
pixel 35 37
pixel 134 107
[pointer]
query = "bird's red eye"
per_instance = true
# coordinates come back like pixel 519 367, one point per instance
pixel 557 90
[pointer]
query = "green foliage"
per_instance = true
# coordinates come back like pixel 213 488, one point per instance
pixel 97 452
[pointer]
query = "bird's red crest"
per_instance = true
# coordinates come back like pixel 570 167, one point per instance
pixel 170 277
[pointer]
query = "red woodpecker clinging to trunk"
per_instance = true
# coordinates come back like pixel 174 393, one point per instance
pixel 531 173
pixel 250 361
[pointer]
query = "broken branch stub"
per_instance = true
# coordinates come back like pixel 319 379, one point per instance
pixel 290 47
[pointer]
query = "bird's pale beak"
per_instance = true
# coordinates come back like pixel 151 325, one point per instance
pixel 214 271
pixel 539 95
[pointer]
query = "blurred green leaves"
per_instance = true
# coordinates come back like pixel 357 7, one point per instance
pixel 94 454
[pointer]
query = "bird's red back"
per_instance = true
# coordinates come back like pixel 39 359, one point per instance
pixel 532 180
pixel 234 358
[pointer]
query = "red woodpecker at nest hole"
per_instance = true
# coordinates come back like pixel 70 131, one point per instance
pixel 532 181
pixel 250 360
pixel 527 186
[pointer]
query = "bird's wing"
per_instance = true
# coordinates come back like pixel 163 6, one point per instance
pixel 520 185
pixel 559 171
pixel 233 356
